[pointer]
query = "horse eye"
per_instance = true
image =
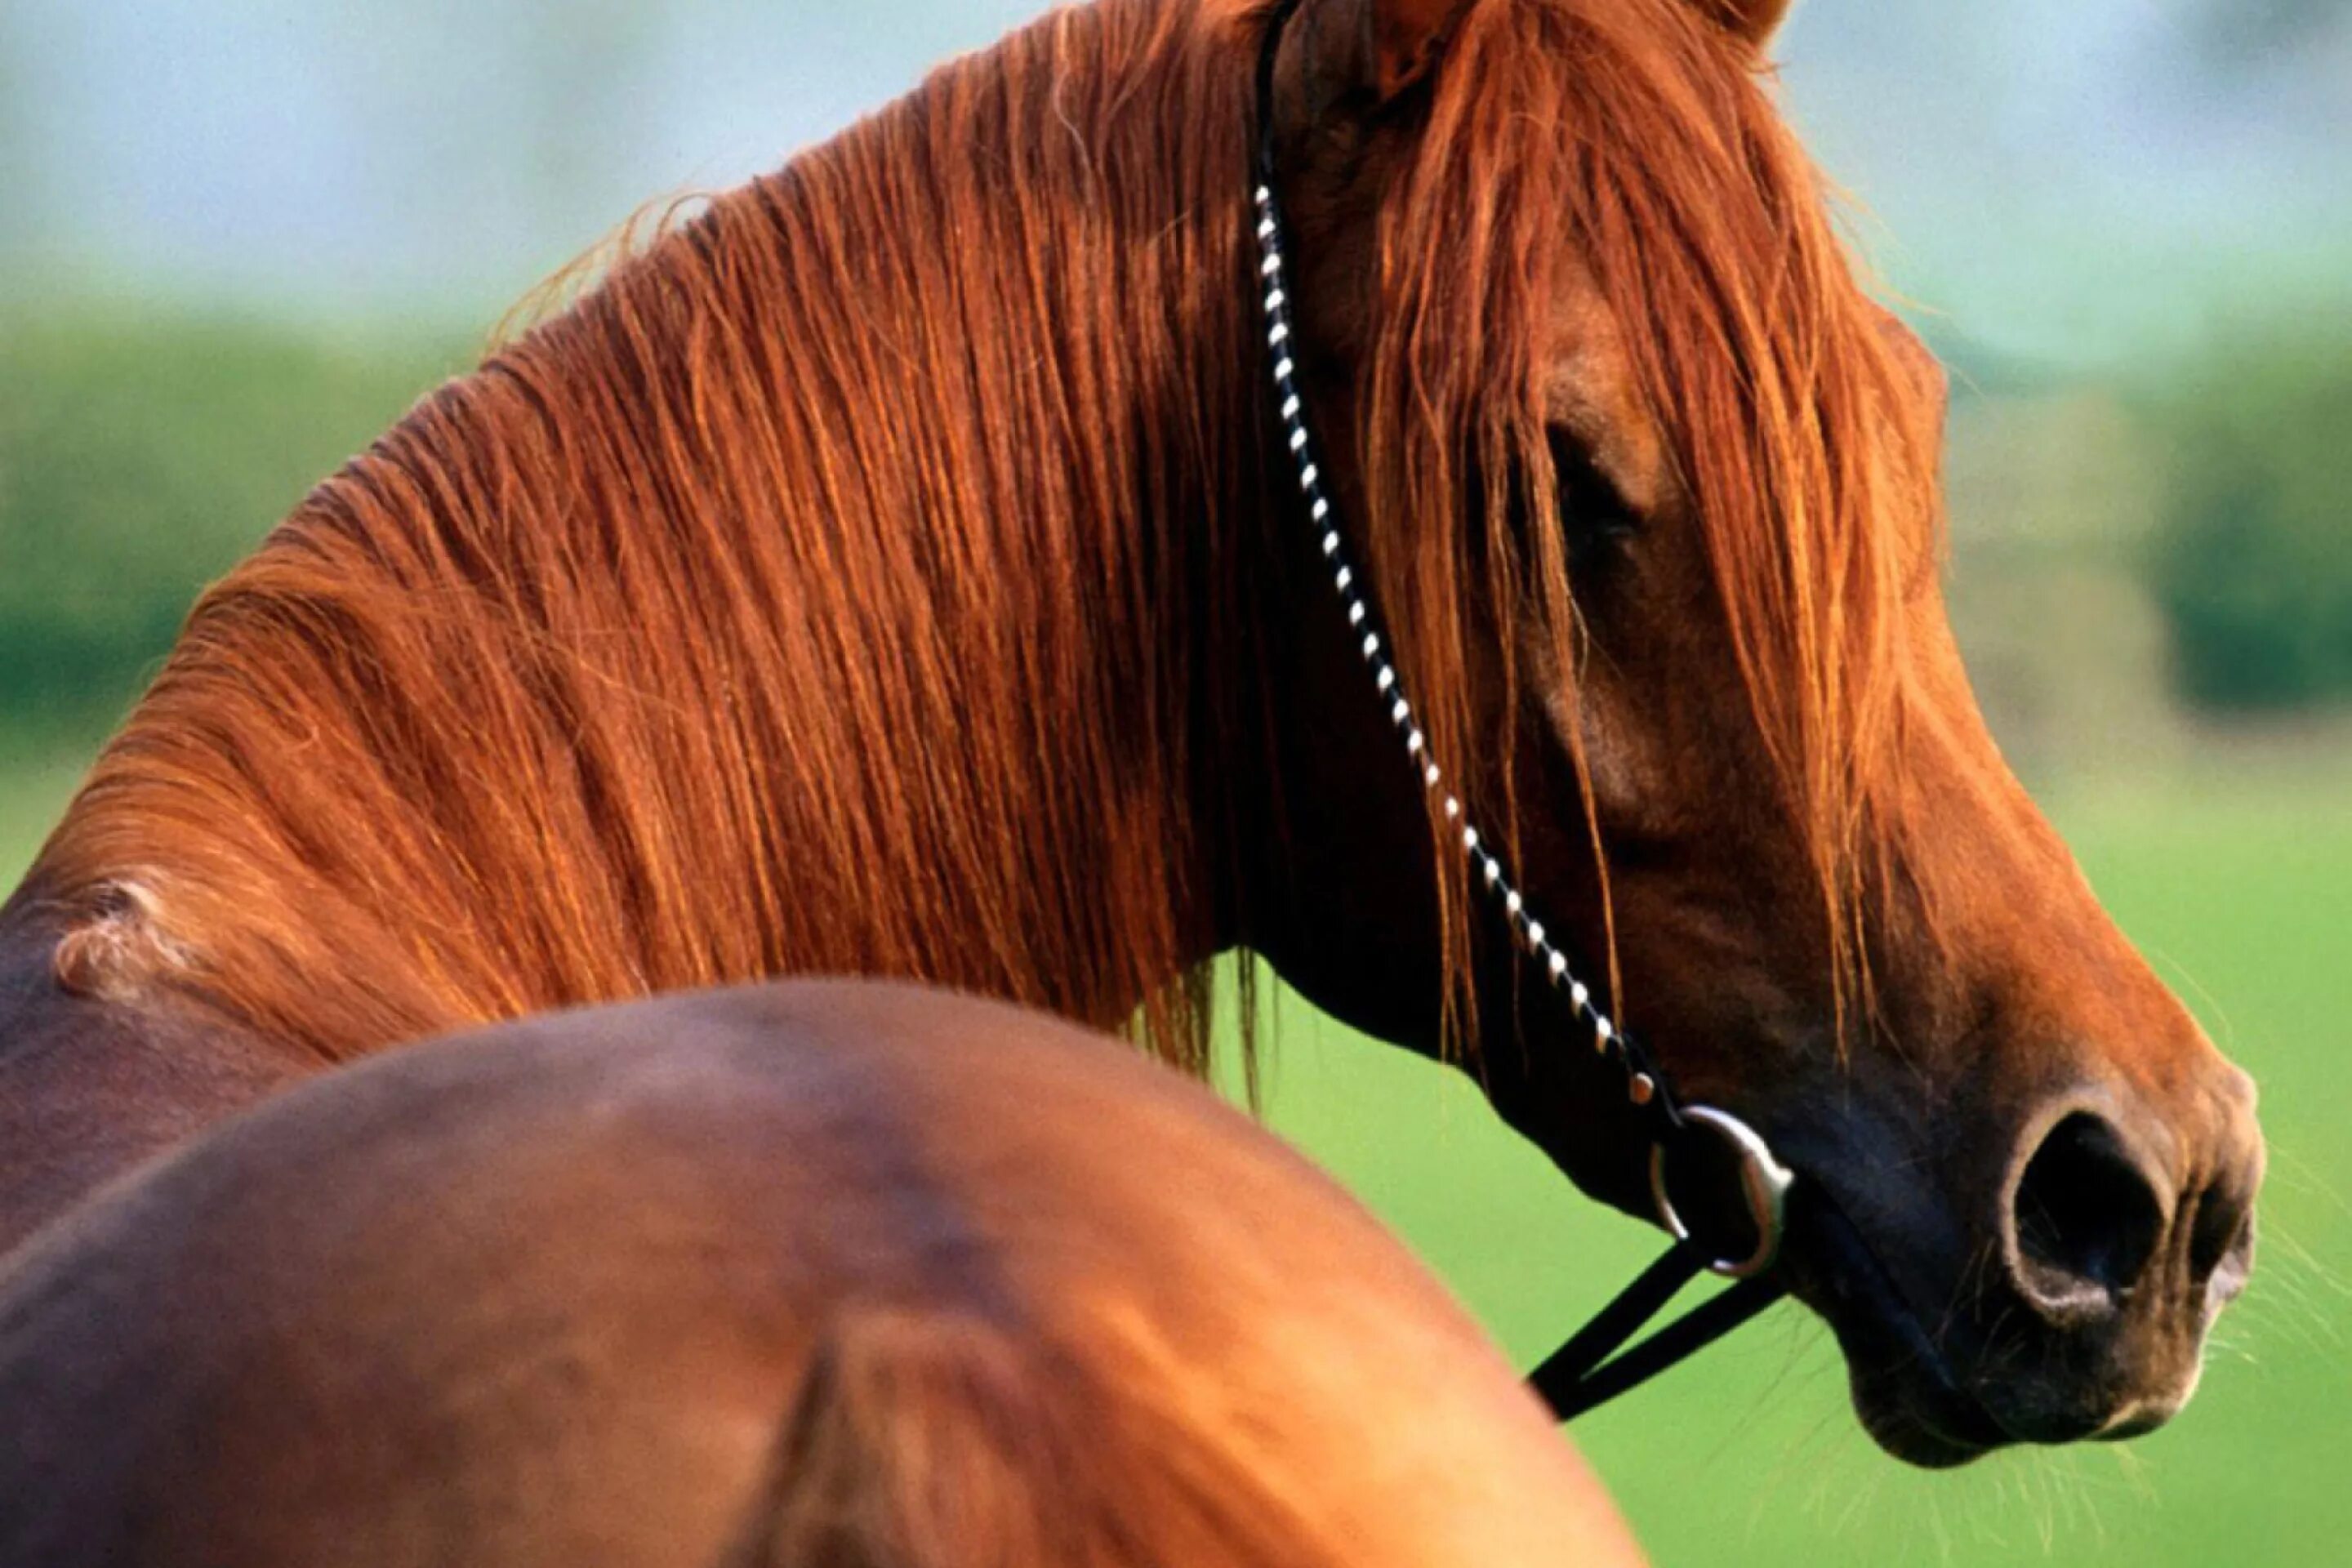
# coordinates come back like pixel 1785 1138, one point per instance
pixel 1594 513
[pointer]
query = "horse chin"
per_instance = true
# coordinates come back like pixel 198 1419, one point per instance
pixel 1896 1424
pixel 1904 1389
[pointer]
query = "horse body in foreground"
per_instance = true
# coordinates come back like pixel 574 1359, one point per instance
pixel 827 1273
pixel 891 572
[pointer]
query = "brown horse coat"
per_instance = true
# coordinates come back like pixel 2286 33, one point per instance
pixel 883 572
pixel 825 1272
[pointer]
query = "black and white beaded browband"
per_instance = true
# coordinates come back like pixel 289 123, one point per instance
pixel 1580 1375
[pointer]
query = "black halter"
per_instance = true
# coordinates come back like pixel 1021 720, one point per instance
pixel 1580 1374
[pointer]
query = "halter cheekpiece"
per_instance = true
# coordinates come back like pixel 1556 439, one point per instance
pixel 1580 1375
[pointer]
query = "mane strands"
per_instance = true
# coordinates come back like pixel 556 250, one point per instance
pixel 731 623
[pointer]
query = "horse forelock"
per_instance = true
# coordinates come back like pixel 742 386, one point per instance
pixel 1635 137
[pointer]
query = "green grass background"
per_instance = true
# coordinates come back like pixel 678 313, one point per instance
pixel 2236 887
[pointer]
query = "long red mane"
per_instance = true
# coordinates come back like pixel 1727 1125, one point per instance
pixel 792 603
pixel 853 581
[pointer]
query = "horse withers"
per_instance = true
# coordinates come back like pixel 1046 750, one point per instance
pixel 825 1273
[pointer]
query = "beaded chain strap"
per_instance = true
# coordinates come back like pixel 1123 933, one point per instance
pixel 1581 1374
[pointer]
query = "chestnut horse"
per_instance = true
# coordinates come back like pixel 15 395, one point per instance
pixel 829 1272
pixel 894 571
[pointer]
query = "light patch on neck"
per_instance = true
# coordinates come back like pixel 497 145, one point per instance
pixel 118 950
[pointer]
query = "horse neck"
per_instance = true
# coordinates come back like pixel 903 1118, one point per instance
pixel 852 583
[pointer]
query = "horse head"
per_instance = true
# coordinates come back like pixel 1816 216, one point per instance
pixel 1647 488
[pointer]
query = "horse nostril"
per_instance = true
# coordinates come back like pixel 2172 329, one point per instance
pixel 2223 1237
pixel 2083 1219
pixel 2221 1224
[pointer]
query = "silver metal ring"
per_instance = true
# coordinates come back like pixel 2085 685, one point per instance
pixel 1764 1184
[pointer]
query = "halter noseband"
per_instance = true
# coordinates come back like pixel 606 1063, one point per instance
pixel 1580 1375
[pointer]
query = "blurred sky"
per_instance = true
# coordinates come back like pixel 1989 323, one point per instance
pixel 2069 180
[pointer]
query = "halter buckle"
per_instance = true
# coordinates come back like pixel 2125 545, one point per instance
pixel 1764 1186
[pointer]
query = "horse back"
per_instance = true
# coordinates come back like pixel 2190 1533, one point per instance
pixel 816 1273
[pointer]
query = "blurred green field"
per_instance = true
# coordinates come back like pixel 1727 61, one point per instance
pixel 1752 1455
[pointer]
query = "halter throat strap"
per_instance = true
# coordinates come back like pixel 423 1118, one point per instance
pixel 1581 1374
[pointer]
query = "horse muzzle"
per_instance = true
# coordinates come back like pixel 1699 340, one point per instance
pixel 2076 1309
